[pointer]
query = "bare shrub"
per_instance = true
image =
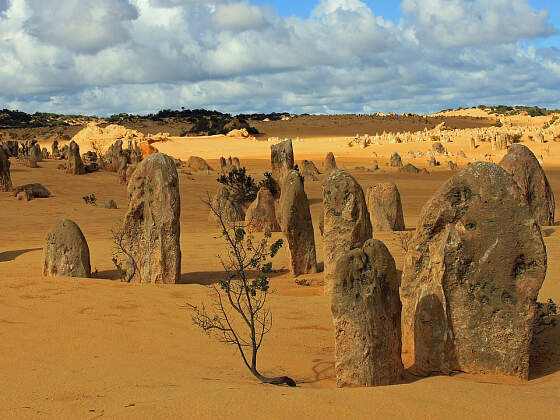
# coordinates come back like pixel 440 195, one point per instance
pixel 126 268
pixel 404 240
pixel 238 314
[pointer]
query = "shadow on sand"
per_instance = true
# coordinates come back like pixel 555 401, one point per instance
pixel 112 275
pixel 207 278
pixel 12 255
pixel 545 352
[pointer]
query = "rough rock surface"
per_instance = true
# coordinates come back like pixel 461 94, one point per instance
pixel 346 223
pixel 122 162
pixel 66 251
pixel 438 148
pixel 113 154
pixel 385 208
pixel 74 164
pixel 196 163
pixel 5 178
pixel 296 224
pixel 330 163
pixel 409 168
pixel 432 162
pixel 396 160
pixel 471 277
pixel 366 312
pixel 110 204
pixel 33 190
pixel 151 224
pixel 54 149
pixel 35 153
pixel 232 211
pixel 282 160
pixel 261 214
pixel 526 170
pixel 223 165
pixel 309 170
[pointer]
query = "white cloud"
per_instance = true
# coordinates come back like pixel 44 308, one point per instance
pixel 81 26
pixel 459 23
pixel 238 17
pixel 141 55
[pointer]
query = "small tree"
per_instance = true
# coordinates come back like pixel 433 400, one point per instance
pixel 241 185
pixel 239 315
pixel 269 183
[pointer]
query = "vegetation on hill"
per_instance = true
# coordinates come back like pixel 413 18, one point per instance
pixel 202 121
pixel 532 111
pixel 19 119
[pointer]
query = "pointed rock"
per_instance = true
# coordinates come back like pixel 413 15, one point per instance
pixel 296 224
pixel 527 172
pixel 346 223
pixel 152 221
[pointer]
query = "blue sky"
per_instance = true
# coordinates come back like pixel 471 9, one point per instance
pixel 323 56
pixel 387 9
pixel 391 10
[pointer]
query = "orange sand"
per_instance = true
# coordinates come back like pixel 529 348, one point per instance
pixel 98 348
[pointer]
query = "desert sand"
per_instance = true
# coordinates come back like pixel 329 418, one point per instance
pixel 99 348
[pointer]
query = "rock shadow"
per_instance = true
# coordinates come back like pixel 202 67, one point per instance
pixel 12 255
pixel 545 351
pixel 112 275
pixel 430 344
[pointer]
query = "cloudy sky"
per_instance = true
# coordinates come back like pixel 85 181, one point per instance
pixel 324 56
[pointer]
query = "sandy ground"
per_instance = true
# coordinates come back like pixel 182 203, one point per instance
pixel 98 348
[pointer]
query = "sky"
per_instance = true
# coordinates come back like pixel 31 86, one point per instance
pixel 240 56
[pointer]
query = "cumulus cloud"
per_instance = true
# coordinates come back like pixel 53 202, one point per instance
pixel 459 23
pixel 81 26
pixel 238 17
pixel 140 55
